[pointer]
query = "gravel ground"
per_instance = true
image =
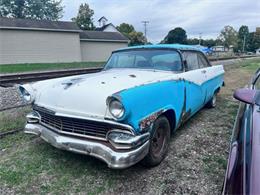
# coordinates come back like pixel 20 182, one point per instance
pixel 10 97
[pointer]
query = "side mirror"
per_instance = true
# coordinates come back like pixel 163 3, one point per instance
pixel 248 96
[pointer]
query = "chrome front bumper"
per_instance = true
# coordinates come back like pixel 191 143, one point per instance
pixel 114 159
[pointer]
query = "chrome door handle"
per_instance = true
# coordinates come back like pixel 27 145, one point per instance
pixel 203 71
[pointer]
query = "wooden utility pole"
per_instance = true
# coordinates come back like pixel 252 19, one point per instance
pixel 145 28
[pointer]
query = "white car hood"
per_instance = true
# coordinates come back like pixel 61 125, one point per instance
pixel 86 95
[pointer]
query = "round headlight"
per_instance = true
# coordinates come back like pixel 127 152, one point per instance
pixel 116 108
pixel 25 94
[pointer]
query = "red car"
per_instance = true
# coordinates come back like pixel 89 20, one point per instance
pixel 243 168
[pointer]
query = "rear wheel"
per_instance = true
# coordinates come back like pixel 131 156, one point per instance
pixel 159 142
pixel 212 102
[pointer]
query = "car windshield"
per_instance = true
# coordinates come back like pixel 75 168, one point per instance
pixel 156 59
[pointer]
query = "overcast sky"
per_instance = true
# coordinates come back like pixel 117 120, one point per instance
pixel 195 16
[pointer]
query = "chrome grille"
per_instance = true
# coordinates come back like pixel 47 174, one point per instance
pixel 81 127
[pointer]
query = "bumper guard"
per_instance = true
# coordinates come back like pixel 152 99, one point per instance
pixel 114 159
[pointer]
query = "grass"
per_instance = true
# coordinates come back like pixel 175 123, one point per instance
pixel 37 167
pixel 250 64
pixel 13 119
pixel 13 68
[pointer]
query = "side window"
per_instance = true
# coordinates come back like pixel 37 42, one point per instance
pixel 202 61
pixel 168 61
pixel 192 60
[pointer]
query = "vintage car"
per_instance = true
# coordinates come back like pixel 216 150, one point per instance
pixel 126 112
pixel 243 168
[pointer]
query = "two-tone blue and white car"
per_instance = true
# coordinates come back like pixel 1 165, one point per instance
pixel 127 112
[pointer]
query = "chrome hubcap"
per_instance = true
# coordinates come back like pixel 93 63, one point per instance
pixel 214 100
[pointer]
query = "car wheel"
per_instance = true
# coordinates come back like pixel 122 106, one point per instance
pixel 212 102
pixel 159 142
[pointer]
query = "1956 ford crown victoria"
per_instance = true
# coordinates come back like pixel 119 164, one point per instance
pixel 127 112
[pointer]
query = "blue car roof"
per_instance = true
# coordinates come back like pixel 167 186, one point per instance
pixel 159 46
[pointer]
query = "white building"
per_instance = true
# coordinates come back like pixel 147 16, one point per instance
pixel 43 41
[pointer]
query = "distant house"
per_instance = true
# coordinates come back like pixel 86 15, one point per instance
pixel 103 26
pixel 219 48
pixel 43 41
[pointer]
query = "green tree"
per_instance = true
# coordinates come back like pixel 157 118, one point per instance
pixel 256 40
pixel 193 41
pixel 177 35
pixel 125 28
pixel 136 38
pixel 219 41
pixel 228 36
pixel 208 42
pixel 33 9
pixel 84 19
pixel 253 41
pixel 243 36
pixel 204 42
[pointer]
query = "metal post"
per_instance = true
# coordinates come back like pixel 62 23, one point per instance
pixel 200 39
pixel 145 28
pixel 244 43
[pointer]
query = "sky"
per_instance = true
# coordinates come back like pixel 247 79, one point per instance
pixel 207 17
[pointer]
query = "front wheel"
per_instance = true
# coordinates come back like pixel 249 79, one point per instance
pixel 212 102
pixel 159 142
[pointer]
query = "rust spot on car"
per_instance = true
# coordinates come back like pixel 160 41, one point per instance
pixel 132 75
pixel 148 121
pixel 103 82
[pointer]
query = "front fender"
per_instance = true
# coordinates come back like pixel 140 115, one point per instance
pixel 144 101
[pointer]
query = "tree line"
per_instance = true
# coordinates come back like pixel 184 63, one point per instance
pixel 241 40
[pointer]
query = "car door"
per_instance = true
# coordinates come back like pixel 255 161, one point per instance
pixel 194 78
pixel 214 76
pixel 205 68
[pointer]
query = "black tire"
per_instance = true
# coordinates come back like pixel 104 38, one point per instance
pixel 159 142
pixel 212 102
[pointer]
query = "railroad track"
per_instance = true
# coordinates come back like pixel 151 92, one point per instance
pixel 7 80
pixel 230 58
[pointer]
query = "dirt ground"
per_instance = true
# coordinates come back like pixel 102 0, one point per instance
pixel 195 164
